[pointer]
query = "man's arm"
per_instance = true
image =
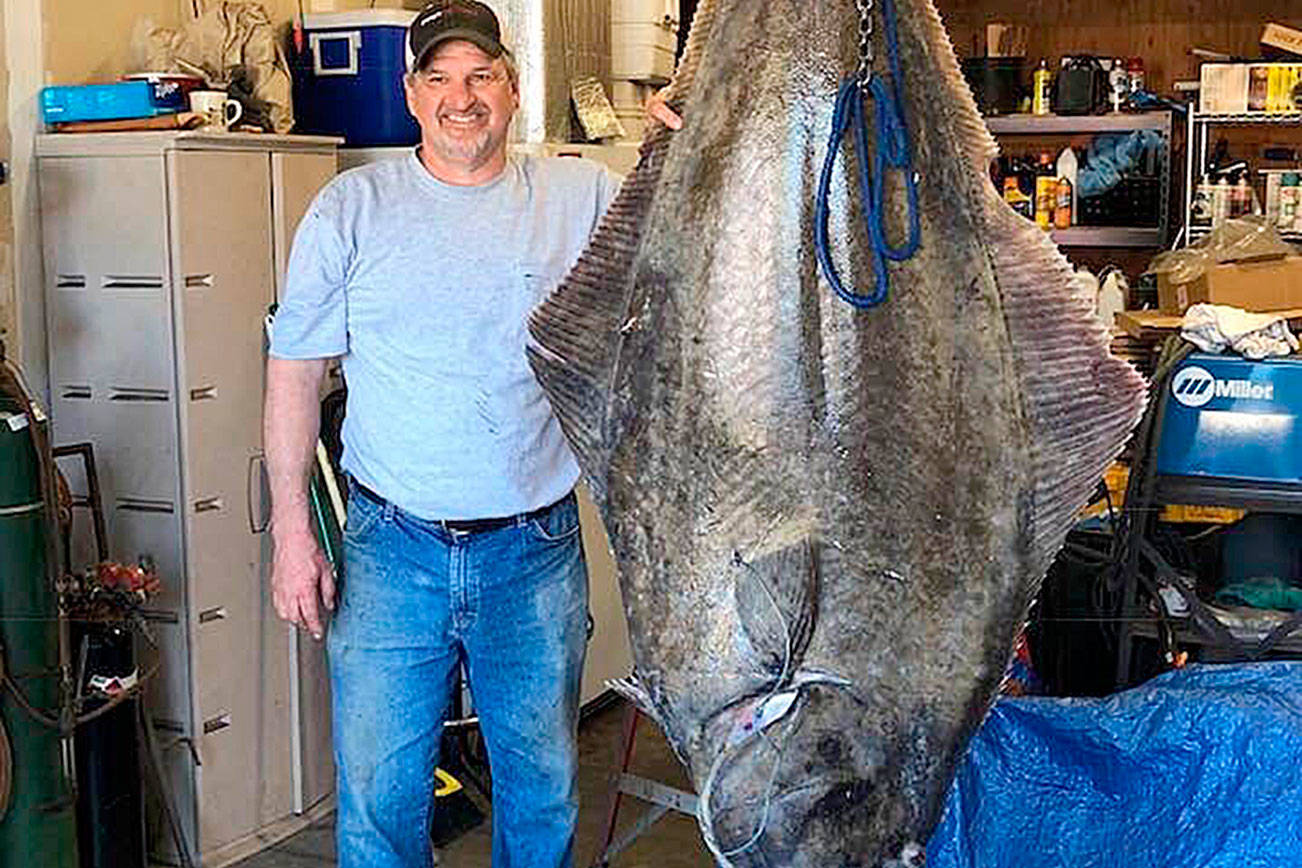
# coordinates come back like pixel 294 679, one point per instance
pixel 301 578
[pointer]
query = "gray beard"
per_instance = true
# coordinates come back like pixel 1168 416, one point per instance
pixel 473 151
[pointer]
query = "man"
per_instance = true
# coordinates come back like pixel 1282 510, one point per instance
pixel 462 537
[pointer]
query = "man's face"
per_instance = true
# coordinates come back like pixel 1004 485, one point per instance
pixel 464 101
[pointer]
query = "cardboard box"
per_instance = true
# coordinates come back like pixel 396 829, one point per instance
pixel 1285 38
pixel 1255 285
pixel 1236 88
pixel 1223 88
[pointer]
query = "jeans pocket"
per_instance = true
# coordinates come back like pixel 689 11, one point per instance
pixel 363 513
pixel 559 523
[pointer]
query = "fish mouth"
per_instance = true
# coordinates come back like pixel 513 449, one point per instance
pixel 813 788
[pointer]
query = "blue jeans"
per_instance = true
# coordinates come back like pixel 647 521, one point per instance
pixel 416 601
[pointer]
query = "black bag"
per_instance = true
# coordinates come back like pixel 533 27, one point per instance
pixel 1082 86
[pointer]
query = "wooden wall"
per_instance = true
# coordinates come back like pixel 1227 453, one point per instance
pixel 1160 31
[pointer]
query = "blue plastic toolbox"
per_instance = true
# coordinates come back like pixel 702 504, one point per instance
pixel 348 79
pixel 1232 418
pixel 102 102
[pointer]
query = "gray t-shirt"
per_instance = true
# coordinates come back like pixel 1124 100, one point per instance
pixel 424 289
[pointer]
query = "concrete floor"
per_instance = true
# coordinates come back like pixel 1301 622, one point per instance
pixel 673 842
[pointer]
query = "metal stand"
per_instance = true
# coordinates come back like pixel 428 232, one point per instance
pixel 662 798
pixel 1143 571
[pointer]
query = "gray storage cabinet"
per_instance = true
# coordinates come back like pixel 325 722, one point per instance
pixel 162 253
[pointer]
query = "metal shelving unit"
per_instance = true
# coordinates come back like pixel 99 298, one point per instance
pixel 1196 155
pixel 1113 122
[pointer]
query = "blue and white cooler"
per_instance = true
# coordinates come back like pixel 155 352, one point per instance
pixel 348 79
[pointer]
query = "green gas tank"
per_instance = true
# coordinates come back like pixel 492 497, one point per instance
pixel 38 826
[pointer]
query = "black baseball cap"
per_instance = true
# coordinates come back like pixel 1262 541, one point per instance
pixel 454 19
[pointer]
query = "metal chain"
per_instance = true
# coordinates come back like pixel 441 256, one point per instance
pixel 864 73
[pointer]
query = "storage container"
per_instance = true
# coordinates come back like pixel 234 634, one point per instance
pixel 102 102
pixel 348 80
pixel 664 12
pixel 642 52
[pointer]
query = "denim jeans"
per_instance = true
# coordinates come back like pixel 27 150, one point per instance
pixel 416 601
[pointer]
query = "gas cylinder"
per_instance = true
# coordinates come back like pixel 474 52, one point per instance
pixel 38 827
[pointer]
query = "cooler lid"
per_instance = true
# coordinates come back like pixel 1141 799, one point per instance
pixel 359 18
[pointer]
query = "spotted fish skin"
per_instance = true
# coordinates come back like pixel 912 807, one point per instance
pixel 828 522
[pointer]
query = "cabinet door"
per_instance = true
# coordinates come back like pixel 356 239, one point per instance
pixel 295 180
pixel 113 383
pixel 222 279
pixel 609 656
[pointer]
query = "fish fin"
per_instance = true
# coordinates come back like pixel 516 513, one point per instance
pixel 1081 401
pixel 975 138
pixel 776 595
pixel 577 332
pixel 702 23
pixel 630 689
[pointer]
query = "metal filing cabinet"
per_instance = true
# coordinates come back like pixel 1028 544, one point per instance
pixel 162 253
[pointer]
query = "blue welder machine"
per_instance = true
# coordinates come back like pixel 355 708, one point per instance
pixel 1234 421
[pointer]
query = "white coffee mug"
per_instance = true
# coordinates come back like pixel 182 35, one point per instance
pixel 217 109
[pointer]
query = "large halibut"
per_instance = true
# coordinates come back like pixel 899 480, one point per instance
pixel 828 522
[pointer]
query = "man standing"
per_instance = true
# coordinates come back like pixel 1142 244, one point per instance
pixel 462 541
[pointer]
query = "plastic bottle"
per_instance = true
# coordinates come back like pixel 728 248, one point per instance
pixel 1062 213
pixel 1221 201
pixel 1288 202
pixel 1112 296
pixel 1042 89
pixel 1046 191
pixel 1020 202
pixel 1135 74
pixel 1069 167
pixel 1118 83
pixel 1200 212
pixel 1241 197
pixel 1273 180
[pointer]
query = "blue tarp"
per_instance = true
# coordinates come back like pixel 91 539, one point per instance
pixel 1198 768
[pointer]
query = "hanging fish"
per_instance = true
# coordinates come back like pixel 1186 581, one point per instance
pixel 829 518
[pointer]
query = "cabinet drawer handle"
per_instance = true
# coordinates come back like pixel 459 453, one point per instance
pixel 216 613
pixel 203 393
pixel 215 724
pixel 70 281
pixel 208 504
pixel 144 504
pixel 132 281
pixel 195 281
pixel 256 482
pixel 128 393
pixel 77 392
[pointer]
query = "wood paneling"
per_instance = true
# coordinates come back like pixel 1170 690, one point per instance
pixel 1160 31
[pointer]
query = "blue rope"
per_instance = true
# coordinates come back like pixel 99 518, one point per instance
pixel 894 151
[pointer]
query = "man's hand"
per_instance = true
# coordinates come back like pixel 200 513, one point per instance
pixel 302 581
pixel 657 110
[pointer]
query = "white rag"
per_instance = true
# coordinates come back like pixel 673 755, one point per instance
pixel 1213 327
